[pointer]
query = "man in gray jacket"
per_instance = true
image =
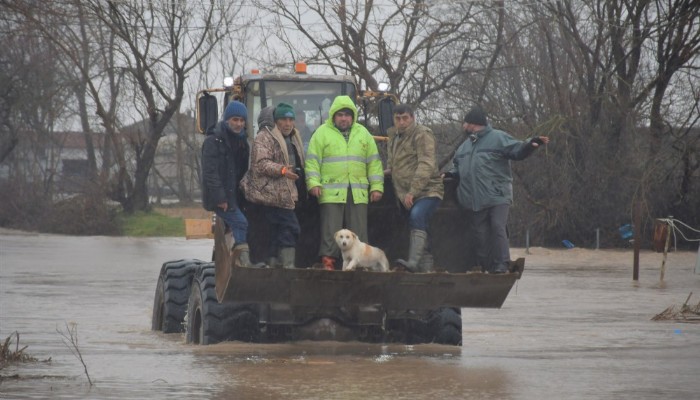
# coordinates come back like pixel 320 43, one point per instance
pixel 482 166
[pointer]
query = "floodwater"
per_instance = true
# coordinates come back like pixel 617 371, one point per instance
pixel 576 326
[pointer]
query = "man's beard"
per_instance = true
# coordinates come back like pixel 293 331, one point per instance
pixel 346 129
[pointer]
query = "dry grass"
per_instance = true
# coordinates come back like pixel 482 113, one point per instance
pixel 8 355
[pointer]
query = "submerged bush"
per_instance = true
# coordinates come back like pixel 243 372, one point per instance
pixel 29 208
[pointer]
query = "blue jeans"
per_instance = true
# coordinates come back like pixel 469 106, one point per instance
pixel 419 215
pixel 236 221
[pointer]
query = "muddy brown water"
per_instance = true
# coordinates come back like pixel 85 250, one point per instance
pixel 575 327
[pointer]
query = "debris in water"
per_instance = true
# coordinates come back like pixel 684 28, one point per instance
pixel 7 355
pixel 686 313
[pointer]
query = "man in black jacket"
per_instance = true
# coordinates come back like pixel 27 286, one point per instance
pixel 225 154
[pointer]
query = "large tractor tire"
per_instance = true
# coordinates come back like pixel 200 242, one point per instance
pixel 172 293
pixel 210 322
pixel 406 331
pixel 445 326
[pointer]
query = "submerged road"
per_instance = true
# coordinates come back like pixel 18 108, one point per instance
pixel 574 327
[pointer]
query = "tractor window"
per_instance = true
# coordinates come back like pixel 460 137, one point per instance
pixel 311 101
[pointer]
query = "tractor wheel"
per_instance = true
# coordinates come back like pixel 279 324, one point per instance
pixel 445 326
pixel 407 331
pixel 209 321
pixel 172 292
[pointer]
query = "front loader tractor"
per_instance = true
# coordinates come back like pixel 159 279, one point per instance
pixel 219 301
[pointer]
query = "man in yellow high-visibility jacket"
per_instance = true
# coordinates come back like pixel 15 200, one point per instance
pixel 344 171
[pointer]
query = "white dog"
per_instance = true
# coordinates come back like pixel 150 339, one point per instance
pixel 359 254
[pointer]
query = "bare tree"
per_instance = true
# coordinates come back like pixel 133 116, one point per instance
pixel 11 78
pixel 593 81
pixel 160 44
pixel 399 42
pixel 33 103
pixel 151 47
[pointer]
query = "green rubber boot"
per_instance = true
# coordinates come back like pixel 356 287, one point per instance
pixel 419 239
pixel 286 257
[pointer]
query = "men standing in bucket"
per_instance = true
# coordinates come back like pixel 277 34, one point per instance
pixel 482 166
pixel 276 162
pixel 225 153
pixel 412 165
pixel 344 171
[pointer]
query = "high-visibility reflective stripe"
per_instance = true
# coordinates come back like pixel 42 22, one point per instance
pixel 310 156
pixel 335 185
pixel 313 173
pixel 373 157
pixel 344 159
pixel 345 185
pixel 375 178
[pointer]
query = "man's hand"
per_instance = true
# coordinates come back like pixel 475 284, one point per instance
pixel 223 206
pixel 408 201
pixel 375 196
pixel 539 140
pixel 448 175
pixel 315 191
pixel 290 174
pixel 387 171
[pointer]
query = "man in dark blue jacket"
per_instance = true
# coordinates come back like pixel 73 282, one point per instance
pixel 225 154
pixel 482 166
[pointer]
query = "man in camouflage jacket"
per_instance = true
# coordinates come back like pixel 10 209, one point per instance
pixel 277 160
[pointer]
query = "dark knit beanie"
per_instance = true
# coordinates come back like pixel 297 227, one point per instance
pixel 346 110
pixel 235 109
pixel 476 116
pixel 284 110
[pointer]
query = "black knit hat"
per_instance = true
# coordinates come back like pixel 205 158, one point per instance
pixel 476 116
pixel 346 110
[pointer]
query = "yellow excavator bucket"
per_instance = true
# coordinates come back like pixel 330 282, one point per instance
pixel 198 229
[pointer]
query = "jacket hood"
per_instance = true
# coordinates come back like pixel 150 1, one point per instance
pixel 265 119
pixel 339 103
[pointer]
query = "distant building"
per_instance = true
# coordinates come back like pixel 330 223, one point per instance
pixel 61 158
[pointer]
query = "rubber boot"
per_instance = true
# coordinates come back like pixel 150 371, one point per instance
pixel 415 250
pixel 328 263
pixel 273 262
pixel 242 255
pixel 286 257
pixel 501 268
pixel 426 262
